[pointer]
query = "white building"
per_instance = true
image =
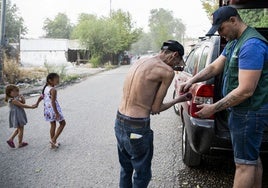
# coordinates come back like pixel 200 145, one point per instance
pixel 37 52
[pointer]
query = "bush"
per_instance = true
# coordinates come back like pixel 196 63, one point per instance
pixel 11 70
pixel 60 70
pixel 70 78
pixel 2 89
pixel 95 61
pixel 32 73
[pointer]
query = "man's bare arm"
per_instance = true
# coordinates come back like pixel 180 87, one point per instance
pixel 158 105
pixel 248 81
pixel 245 90
pixel 210 71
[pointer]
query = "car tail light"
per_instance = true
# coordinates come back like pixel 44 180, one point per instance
pixel 202 94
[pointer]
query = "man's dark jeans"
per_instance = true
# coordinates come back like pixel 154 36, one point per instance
pixel 135 150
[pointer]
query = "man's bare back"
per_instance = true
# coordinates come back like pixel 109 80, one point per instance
pixel 142 85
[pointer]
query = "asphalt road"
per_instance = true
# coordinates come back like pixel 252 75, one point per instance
pixel 88 156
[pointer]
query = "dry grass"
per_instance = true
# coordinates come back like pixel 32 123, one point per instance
pixel 14 73
pixel 11 70
pixel 32 73
pixel 88 65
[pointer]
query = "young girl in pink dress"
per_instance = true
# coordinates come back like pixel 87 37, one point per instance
pixel 52 109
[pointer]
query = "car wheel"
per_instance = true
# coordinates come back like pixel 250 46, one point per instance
pixel 176 106
pixel 189 156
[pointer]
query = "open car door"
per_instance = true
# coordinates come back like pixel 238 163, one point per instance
pixel 245 4
pixel 258 9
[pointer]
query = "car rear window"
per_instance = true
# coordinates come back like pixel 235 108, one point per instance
pixel 203 59
pixel 192 61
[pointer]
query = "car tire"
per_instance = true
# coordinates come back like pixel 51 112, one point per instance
pixel 189 156
pixel 176 106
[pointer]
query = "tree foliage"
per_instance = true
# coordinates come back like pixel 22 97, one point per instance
pixel 253 17
pixel 14 23
pixel 143 45
pixel 125 31
pixel 210 6
pixel 59 27
pixel 106 35
pixel 163 26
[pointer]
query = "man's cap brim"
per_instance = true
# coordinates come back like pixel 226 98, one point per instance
pixel 182 62
pixel 213 30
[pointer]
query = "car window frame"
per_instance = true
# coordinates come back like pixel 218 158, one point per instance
pixel 207 48
pixel 191 68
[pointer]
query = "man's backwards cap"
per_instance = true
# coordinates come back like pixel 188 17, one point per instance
pixel 173 46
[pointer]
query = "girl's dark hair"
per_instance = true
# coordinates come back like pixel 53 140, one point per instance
pixel 50 76
pixel 9 89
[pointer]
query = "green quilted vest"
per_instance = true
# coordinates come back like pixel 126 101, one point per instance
pixel 231 69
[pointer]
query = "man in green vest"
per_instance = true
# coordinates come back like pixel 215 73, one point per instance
pixel 244 64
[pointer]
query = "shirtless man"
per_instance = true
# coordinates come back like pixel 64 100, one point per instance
pixel 144 90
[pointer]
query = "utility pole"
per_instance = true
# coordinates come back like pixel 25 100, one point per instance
pixel 110 8
pixel 2 39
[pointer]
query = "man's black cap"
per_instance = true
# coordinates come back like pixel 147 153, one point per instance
pixel 219 16
pixel 173 46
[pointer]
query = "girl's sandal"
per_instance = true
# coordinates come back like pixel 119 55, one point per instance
pixel 23 144
pixel 11 143
pixel 53 145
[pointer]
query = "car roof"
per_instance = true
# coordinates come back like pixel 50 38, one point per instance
pixel 207 39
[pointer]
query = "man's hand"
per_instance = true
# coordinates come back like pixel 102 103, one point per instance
pixel 184 97
pixel 181 98
pixel 184 87
pixel 207 110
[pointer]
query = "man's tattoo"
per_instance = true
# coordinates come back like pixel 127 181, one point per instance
pixel 225 103
pixel 205 75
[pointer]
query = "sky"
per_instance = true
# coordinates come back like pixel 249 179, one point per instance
pixel 34 12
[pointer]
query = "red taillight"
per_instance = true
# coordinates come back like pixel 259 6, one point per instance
pixel 202 94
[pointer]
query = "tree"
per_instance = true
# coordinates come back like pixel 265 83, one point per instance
pixel 163 26
pixel 126 32
pixel 106 36
pixel 210 6
pixel 143 45
pixel 253 17
pixel 59 27
pixel 14 23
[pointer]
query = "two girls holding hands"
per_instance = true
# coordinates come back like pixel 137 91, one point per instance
pixel 52 111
